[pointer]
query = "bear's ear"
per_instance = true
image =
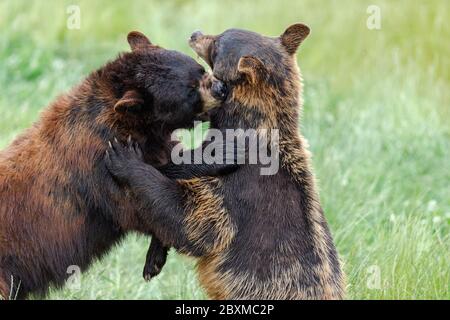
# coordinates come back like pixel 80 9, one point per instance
pixel 131 101
pixel 252 68
pixel 138 40
pixel 293 36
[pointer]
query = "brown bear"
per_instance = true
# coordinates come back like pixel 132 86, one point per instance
pixel 256 236
pixel 58 204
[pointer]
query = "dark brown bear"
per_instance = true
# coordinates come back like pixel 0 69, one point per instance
pixel 58 203
pixel 256 236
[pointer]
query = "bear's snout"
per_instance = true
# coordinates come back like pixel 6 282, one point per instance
pixel 208 99
pixel 195 35
pixel 201 44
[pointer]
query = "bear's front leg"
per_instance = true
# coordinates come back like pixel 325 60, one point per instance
pixel 121 160
pixel 155 260
pixel 225 159
pixel 161 199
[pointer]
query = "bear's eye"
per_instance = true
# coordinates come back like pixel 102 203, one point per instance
pixel 194 84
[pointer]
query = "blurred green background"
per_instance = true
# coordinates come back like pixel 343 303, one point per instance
pixel 376 113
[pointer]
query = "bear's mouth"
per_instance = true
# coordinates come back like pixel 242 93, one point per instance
pixel 201 44
pixel 208 99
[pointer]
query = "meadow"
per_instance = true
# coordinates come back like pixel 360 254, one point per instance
pixel 376 114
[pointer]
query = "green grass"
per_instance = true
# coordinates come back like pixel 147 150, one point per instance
pixel 377 116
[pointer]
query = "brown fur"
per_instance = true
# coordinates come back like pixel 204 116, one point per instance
pixel 4 289
pixel 255 236
pixel 207 211
pixel 295 158
pixel 58 204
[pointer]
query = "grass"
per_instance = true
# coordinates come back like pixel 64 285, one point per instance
pixel 377 116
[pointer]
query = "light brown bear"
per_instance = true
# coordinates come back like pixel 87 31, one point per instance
pixel 255 236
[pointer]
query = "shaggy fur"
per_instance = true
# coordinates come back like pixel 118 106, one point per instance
pixel 59 205
pixel 255 236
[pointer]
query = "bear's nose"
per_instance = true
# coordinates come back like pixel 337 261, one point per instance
pixel 197 34
pixel 219 90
